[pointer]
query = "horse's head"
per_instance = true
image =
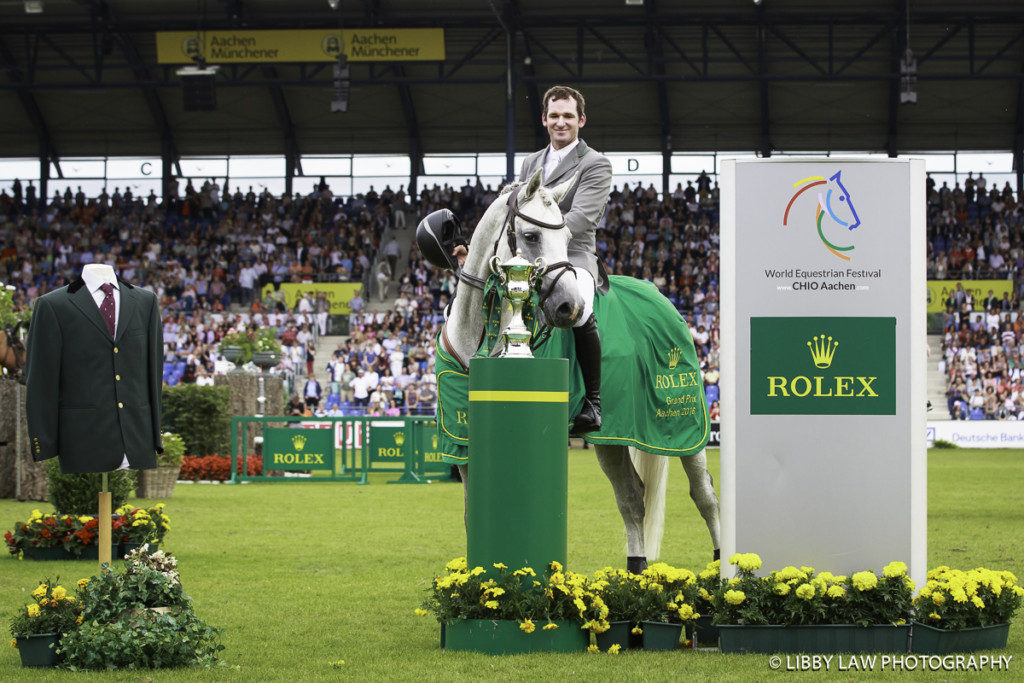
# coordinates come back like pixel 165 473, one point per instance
pixel 539 232
pixel 12 348
pixel 839 204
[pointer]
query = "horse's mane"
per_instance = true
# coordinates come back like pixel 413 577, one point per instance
pixel 544 193
pixel 508 187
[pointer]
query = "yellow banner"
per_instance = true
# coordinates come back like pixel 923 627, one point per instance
pixel 939 292
pixel 338 293
pixel 316 45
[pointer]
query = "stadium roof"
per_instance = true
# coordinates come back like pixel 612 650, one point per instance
pixel 82 77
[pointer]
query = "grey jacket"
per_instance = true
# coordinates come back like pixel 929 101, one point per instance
pixel 584 204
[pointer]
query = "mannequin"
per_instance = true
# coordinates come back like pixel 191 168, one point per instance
pixel 93 397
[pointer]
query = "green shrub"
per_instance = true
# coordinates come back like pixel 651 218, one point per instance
pixel 200 416
pixel 78 494
pixel 942 443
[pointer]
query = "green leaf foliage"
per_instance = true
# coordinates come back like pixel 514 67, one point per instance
pixel 200 416
pixel 78 494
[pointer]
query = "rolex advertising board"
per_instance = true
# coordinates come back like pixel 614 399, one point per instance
pixel 823 362
pixel 298 449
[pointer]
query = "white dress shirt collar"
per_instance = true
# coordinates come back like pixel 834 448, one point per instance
pixel 555 156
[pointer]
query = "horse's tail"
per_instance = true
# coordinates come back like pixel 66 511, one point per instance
pixel 653 471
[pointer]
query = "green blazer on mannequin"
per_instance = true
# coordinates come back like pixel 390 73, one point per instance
pixel 92 399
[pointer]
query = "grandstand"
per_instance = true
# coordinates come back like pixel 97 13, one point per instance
pixel 209 179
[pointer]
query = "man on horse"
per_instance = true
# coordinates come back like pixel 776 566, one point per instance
pixel 583 207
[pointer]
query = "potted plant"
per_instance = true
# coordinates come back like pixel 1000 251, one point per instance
pixel 960 611
pixel 266 349
pixel 159 482
pixel 709 581
pixel 56 537
pixel 666 604
pixel 136 529
pixel 236 348
pixel 510 612
pixel 139 617
pixel 621 593
pixel 38 626
pixel 798 610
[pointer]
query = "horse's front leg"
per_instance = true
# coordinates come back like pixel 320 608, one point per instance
pixel 629 496
pixel 464 475
pixel 702 491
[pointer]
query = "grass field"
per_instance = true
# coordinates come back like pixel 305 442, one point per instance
pixel 300 576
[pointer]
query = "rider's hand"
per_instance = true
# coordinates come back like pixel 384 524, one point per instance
pixel 460 253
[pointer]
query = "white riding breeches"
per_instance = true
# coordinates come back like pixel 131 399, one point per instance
pixel 585 285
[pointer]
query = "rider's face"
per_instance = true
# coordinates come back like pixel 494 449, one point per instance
pixel 562 122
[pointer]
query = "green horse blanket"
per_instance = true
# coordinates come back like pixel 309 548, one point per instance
pixel 652 393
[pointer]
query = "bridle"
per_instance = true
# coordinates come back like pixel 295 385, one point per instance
pixel 509 232
pixel 9 359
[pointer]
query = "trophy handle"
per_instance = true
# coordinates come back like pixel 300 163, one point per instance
pixel 541 267
pixel 493 264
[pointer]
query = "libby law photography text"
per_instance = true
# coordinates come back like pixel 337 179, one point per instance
pixel 892 662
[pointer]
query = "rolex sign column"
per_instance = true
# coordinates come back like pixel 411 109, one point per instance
pixel 518 418
pixel 823 363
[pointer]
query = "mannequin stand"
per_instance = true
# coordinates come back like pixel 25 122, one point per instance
pixel 104 524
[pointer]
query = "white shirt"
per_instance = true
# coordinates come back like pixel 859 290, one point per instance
pixel 555 156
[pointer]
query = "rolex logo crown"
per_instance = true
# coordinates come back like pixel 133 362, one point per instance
pixel 822 350
pixel 433 441
pixel 399 438
pixel 673 357
pixel 298 441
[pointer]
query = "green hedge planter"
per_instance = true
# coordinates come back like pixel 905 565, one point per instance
pixel 814 639
pixel 702 632
pixel 57 552
pixel 936 641
pixel 39 649
pixel 504 637
pixel 92 552
pixel 619 633
pixel 661 636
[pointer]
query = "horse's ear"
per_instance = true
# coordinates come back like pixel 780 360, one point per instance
pixel 559 191
pixel 533 184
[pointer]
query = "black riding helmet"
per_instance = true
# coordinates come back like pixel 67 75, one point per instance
pixel 437 235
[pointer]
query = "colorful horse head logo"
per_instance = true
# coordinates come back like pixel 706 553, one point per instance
pixel 835 201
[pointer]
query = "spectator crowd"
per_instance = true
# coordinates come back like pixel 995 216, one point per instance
pixel 210 254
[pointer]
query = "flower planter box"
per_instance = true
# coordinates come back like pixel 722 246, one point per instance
pixel 619 633
pixel 937 641
pixel 38 649
pixel 92 552
pixel 703 632
pixel 661 636
pixel 504 637
pixel 814 639
pixel 57 552
pixel 158 482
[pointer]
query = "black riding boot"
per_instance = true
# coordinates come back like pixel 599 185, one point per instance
pixel 588 355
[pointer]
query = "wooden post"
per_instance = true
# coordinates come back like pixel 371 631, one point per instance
pixel 104 523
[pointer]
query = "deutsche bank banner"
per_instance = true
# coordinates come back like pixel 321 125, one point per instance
pixel 823 363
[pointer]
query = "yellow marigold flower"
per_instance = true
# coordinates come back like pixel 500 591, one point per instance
pixel 781 589
pixel 805 591
pixel 636 630
pixel 476 571
pixel 978 602
pixel 958 595
pixel 807 570
pixel 865 581
pixel 734 581
pixel 749 562
pixel 709 573
pixel 580 605
pixel 735 597
pixel 59 593
pixel 934 616
pixel 491 604
pixel 894 569
pixel 592 649
pixel 420 612
pixel 602 626
pixel 495 592
pixel 525 571
pixel 551 626
pixel 909 584
pixel 82 583
pixel 500 565
pixel 555 566
pixel 1017 590
pixel 40 591
pixel 79 619
pixel 735 558
pixel 836 592
pixel 704 594
pixel 614 649
pixel 527 626
pixel 685 612
pixel 33 610
pixel 939 598
pixel 14 643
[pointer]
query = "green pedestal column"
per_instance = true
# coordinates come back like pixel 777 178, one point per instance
pixel 519 469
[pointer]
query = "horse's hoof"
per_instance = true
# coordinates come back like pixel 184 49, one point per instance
pixel 636 564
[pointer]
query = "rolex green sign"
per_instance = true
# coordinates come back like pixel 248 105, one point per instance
pixel 822 366
pixel 298 449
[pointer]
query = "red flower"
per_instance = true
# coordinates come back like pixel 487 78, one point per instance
pixel 45 533
pixel 92 524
